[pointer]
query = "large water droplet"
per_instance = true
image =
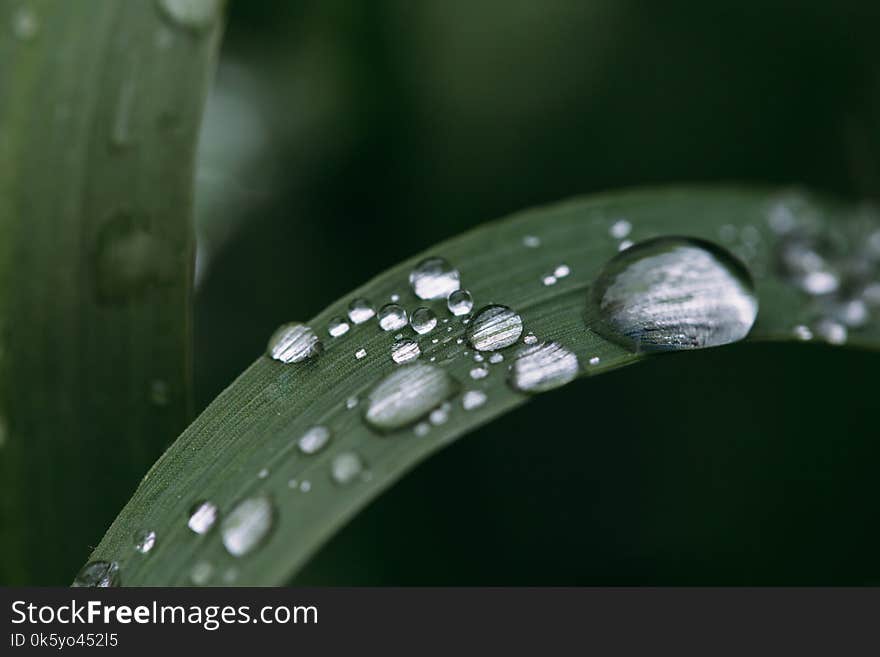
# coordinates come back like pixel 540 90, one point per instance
pixel 360 310
pixel 392 317
pixel 494 327
pixel 346 467
pixel 294 343
pixel 460 302
pixel 434 278
pixel 247 525
pixel 195 15
pixel 202 517
pixel 423 320
pixel 404 351
pixel 98 574
pixel 674 293
pixel 144 541
pixel 542 367
pixel 408 394
pixel 314 440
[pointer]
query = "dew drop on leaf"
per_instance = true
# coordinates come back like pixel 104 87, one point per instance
pixel 674 293
pixel 247 525
pixel 542 367
pixel 404 351
pixel 434 278
pixel 314 440
pixel 392 317
pixel 407 394
pixel 346 467
pixel 423 320
pixel 494 327
pixel 294 343
pixel 460 302
pixel 201 573
pixel 144 541
pixel 473 399
pixel 360 310
pixel 337 327
pixel 98 574
pixel 202 516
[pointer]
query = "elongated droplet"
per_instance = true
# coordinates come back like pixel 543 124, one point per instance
pixel 674 293
pixel 542 367
pixel 360 310
pixel 392 317
pixel 294 343
pixel 408 394
pixel 202 517
pixel 337 327
pixel 434 278
pixel 404 351
pixel 460 302
pixel 314 440
pixel 494 327
pixel 247 525
pixel 98 574
pixel 346 467
pixel 145 541
pixel 423 320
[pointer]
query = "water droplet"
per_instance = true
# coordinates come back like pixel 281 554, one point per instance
pixel 25 24
pixel 194 15
pixel 460 302
pixel 360 353
pixel 530 338
pixel 478 358
pixel 305 486
pixel 360 310
pixel 423 320
pixel 346 467
pixel 392 317
pixel 408 394
pixel 338 327
pixel 395 298
pixel 496 358
pixel 674 293
pixel 473 399
pixel 802 332
pixel 314 440
pixel 531 241
pixel 98 574
pixel 478 373
pixel 549 280
pixel 620 229
pixel 801 261
pixel 853 312
pixel 144 541
pixel 831 331
pixel 624 245
pixel 263 473
pixel 405 351
pixel 434 278
pixel 230 575
pixel 494 327
pixel 351 402
pixel 201 573
pixel 202 517
pixel 561 271
pixel 440 415
pixel 422 429
pixel 542 367
pixel 594 360
pixel 247 525
pixel 294 343
pixel 159 392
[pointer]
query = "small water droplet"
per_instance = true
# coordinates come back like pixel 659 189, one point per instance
pixel 422 429
pixel 392 317
pixel 674 293
pixel 802 332
pixel 314 440
pixel 405 351
pixel 801 261
pixel 338 327
pixel 624 245
pixel 473 399
pixel 247 525
pixel 620 229
pixel 423 320
pixel 549 280
pixel 434 278
pixel 561 271
pixel 360 310
pixel 531 241
pixel 460 302
pixel 98 574
pixel 408 394
pixel 294 343
pixel 25 24
pixel 360 353
pixel 230 575
pixel 831 331
pixel 494 327
pixel 530 338
pixel 459 341
pixel 263 473
pixel 292 483
pixel 202 516
pixel 201 573
pixel 194 15
pixel 478 358
pixel 346 467
pixel 305 486
pixel 144 541
pixel 478 373
pixel 351 402
pixel 496 358
pixel 440 415
pixel 594 360
pixel 542 367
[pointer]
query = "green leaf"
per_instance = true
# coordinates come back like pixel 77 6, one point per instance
pixel 252 427
pixel 99 109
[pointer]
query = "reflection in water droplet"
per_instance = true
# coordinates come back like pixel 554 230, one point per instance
pixel 594 360
pixel 479 373
pixel 294 343
pixel 460 302
pixel 494 327
pixel 351 402
pixel 25 24
pixel 305 486
pixel 434 278
pixel 530 338
pixel 194 15
pixel 548 280
pixel 314 440
pixel 247 525
pixel 337 327
pixel 408 394
pixel 98 574
pixel 346 467
pixel 496 358
pixel 201 573
pixel 392 317
pixel 144 541
pixel 620 229
pixel 561 271
pixel 360 353
pixel 404 351
pixel 440 415
pixel 542 367
pixel 674 293
pixel 360 310
pixel 202 516
pixel 423 320
pixel 473 399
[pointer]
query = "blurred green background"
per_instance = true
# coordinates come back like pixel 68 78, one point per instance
pixel 344 136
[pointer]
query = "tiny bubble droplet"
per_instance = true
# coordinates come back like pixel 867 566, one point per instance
pixel 423 320
pixel 360 353
pixel 530 338
pixel 392 317
pixel 460 302
pixel 531 241
pixel 802 332
pixel 434 278
pixel 473 399
pixel 620 229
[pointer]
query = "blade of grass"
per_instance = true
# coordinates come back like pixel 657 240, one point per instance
pixel 99 108
pixel 244 442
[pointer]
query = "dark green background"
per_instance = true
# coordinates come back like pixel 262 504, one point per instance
pixel 390 125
